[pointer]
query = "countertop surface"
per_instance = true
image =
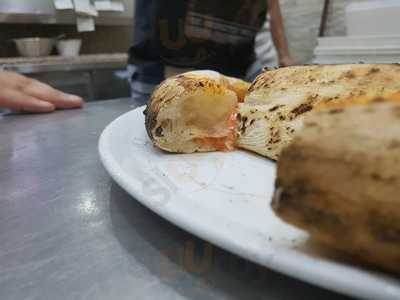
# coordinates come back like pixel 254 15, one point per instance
pixel 67 231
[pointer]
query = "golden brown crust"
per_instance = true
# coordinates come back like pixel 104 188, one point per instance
pixel 328 75
pixel 340 178
pixel 151 112
pixel 171 89
pixel 238 86
pixel 169 99
pixel 278 100
pixel 339 104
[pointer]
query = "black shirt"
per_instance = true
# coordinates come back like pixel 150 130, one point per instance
pixel 211 34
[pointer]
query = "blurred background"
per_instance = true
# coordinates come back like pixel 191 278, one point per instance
pixel 355 30
pixel 318 31
pixel 95 73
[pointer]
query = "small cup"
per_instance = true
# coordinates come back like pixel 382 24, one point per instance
pixel 69 48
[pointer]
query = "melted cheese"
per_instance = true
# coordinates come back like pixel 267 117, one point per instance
pixel 209 113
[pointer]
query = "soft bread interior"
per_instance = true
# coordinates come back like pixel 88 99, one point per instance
pixel 191 124
pixel 208 114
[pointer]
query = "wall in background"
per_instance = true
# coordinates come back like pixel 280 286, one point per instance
pixel 106 39
pixel 47 7
pixel 302 20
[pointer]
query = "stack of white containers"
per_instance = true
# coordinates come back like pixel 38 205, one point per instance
pixel 373 35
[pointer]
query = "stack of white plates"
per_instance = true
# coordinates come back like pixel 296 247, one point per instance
pixel 373 35
pixel 355 49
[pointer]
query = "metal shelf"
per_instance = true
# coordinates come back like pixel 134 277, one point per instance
pixel 60 64
pixel 63 18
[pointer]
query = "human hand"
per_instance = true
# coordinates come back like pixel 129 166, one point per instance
pixel 286 61
pixel 21 93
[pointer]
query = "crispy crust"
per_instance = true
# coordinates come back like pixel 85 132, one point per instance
pixel 340 104
pixel 174 91
pixel 339 181
pixel 323 75
pixel 278 100
pixel 166 92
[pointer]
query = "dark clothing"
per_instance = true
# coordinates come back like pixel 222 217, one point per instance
pixel 200 34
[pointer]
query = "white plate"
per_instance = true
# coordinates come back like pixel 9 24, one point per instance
pixel 224 198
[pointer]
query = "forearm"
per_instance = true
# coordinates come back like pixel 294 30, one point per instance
pixel 278 30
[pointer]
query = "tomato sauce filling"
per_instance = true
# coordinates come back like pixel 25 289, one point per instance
pixel 225 143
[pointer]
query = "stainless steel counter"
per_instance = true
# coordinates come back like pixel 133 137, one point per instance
pixel 67 231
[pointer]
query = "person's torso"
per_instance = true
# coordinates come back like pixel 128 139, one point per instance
pixel 198 33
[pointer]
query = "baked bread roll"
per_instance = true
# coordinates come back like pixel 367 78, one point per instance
pixel 340 180
pixel 278 100
pixel 198 111
pixel 193 112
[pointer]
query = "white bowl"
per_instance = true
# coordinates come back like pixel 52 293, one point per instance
pixel 69 48
pixel 34 47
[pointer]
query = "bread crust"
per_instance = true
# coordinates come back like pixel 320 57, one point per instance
pixel 340 180
pixel 278 100
pixel 168 99
pixel 274 107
